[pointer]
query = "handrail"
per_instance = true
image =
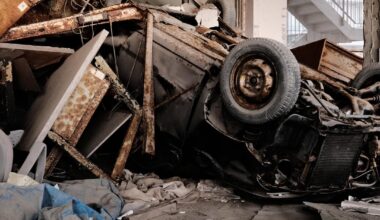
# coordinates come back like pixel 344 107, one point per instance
pixel 351 11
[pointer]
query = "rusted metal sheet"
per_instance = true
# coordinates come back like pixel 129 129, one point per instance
pixel 127 146
pixel 329 59
pixel 81 105
pixel 11 11
pixel 114 13
pixel 78 156
pixel 148 101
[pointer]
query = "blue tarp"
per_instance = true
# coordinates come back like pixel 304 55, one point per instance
pixel 44 201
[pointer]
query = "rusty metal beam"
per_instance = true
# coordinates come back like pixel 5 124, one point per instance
pixel 114 13
pixel 116 86
pixel 127 146
pixel 74 153
pixel 148 100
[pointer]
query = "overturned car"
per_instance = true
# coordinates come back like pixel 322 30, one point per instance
pixel 242 111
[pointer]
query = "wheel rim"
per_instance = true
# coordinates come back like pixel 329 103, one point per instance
pixel 253 81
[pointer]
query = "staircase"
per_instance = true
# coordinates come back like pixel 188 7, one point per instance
pixel 337 20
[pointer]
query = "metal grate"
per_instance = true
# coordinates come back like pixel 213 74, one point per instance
pixel 295 29
pixel 336 158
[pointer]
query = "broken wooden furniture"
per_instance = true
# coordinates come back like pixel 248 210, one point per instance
pixel 77 112
pixel 80 131
pixel 58 89
pixel 19 63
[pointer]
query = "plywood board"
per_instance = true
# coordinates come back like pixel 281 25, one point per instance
pixel 37 56
pixel 58 89
pixel 102 126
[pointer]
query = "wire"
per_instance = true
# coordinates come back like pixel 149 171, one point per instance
pixel 113 49
pixel 134 64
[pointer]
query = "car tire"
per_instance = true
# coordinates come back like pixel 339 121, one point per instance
pixel 367 74
pixel 286 83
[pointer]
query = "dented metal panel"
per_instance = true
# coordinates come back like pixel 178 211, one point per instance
pixel 81 105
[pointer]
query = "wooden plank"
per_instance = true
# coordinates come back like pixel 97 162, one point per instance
pixel 148 100
pixel 74 153
pixel 58 89
pixel 37 56
pixel 126 147
pixel 102 126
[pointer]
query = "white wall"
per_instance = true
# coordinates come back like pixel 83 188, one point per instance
pixel 266 18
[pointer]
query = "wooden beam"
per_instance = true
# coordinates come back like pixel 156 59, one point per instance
pixel 126 147
pixel 148 102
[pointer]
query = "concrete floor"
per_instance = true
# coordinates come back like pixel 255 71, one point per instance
pixel 235 209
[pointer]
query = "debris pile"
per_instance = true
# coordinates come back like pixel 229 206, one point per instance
pixel 100 86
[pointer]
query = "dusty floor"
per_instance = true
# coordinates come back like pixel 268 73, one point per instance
pixel 238 209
